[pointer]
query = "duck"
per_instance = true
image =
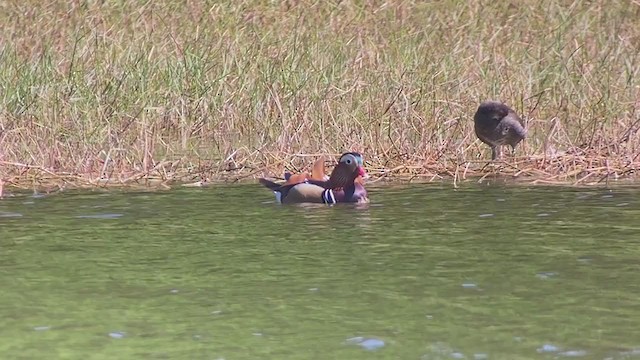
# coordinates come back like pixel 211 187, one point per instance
pixel 340 187
pixel 496 124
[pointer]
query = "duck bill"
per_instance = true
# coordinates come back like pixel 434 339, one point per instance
pixel 362 173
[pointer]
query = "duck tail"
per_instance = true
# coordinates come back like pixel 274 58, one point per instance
pixel 270 184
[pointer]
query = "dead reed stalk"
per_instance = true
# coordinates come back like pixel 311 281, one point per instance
pixel 198 92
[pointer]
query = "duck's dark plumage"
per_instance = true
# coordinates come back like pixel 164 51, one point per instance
pixel 497 124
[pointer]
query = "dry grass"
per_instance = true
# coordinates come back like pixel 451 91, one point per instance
pixel 132 92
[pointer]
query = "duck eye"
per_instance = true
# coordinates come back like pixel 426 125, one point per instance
pixel 348 161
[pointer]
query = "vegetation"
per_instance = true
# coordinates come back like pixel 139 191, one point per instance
pixel 141 92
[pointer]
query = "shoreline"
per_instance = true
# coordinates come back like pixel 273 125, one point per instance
pixel 234 91
pixel 532 170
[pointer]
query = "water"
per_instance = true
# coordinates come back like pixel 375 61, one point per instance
pixel 423 272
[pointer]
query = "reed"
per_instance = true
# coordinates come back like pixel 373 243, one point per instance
pixel 129 92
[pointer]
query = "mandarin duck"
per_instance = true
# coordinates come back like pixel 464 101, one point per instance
pixel 497 124
pixel 340 187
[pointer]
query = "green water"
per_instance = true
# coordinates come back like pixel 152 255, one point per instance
pixel 423 272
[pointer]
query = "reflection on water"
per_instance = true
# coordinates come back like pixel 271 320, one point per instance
pixel 422 272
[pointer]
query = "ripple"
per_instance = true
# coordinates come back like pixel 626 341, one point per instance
pixel 41 328
pixel 546 275
pixel 366 343
pixel 486 215
pixel 585 260
pixel 573 353
pixel 9 214
pixel 117 334
pixel 439 350
pixel 632 352
pixel 548 348
pixel 100 216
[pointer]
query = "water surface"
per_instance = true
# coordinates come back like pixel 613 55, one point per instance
pixel 423 272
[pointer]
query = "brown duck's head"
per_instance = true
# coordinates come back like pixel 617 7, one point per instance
pixel 350 166
pixel 490 113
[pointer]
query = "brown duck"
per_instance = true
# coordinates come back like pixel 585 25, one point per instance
pixel 341 186
pixel 497 124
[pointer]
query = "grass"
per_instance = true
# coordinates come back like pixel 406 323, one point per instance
pixel 99 93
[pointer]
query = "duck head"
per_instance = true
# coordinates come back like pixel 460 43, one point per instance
pixel 497 124
pixel 350 166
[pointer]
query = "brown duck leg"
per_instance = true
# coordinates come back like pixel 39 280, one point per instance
pixel 495 152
